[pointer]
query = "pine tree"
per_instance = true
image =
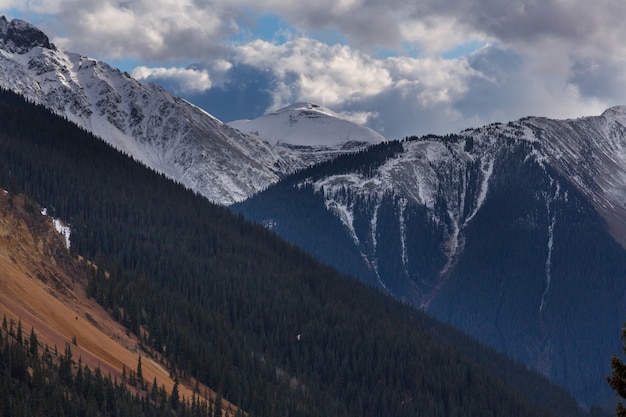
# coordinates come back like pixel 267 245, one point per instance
pixel 18 337
pixel 33 343
pixel 218 406
pixel 175 398
pixel 139 373
pixel 155 391
pixel 617 380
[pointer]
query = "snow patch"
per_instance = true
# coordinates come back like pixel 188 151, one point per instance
pixel 550 244
pixel 60 226
pixel 405 256
pixel 484 187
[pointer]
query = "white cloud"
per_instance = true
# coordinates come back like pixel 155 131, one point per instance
pixel 559 58
pixel 437 35
pixel 186 80
pixel 169 31
pixel 360 117
pixel 340 76
pixel 311 70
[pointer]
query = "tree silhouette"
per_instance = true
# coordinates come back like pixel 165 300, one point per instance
pixel 617 380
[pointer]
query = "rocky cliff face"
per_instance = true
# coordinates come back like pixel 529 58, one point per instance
pixel 18 36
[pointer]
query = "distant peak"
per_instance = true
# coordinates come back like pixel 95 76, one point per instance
pixel 308 108
pixel 303 105
pixel 615 111
pixel 18 36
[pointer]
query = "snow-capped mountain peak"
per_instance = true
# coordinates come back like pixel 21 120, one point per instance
pixel 164 132
pixel 307 124
pixel 18 36
pixel 615 112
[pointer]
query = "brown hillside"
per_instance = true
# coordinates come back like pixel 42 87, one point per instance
pixel 42 286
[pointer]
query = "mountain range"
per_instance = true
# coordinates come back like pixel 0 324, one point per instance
pixel 515 233
pixel 164 132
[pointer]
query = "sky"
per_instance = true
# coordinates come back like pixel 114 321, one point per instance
pixel 400 67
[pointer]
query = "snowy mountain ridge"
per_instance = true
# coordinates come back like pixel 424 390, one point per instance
pixel 590 152
pixel 146 122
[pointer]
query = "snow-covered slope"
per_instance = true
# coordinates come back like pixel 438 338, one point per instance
pixel 591 153
pixel 163 132
pixel 309 132
pixel 144 121
pixel 307 124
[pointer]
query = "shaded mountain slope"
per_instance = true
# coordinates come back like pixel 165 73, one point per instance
pixel 511 232
pixel 246 313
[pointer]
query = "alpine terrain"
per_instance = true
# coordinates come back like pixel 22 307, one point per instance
pixel 185 293
pixel 514 232
pixel 163 132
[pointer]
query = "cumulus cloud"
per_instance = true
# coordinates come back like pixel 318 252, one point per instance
pixel 329 75
pixel 344 78
pixel 184 80
pixel 175 29
pixel 338 74
pixel 155 30
pixel 361 117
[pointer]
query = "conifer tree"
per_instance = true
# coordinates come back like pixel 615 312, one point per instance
pixel 175 398
pixel 155 391
pixel 218 406
pixel 33 343
pixel 18 336
pixel 139 372
pixel 617 380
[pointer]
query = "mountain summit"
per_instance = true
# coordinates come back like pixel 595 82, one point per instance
pixel 18 36
pixel 307 124
pixel 305 133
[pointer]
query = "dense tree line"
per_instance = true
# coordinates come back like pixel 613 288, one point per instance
pixel 228 302
pixel 38 380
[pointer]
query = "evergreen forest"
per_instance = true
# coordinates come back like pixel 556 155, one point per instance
pixel 38 380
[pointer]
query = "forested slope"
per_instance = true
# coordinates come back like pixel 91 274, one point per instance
pixel 246 313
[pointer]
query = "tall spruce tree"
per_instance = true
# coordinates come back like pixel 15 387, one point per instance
pixel 617 380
